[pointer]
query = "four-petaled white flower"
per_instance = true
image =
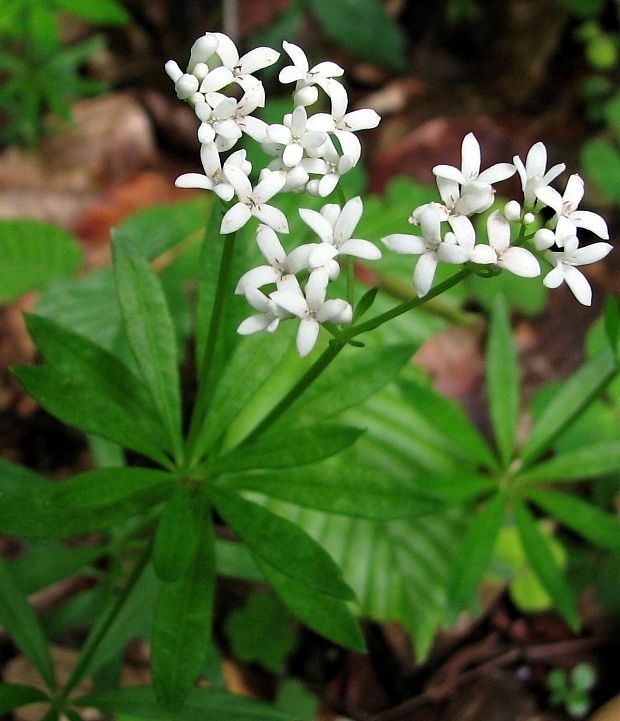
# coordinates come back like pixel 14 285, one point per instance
pixel 468 190
pixel 335 226
pixel 567 206
pixel 534 174
pixel 565 263
pixel 253 202
pixel 269 316
pixel 295 137
pixel 306 77
pixel 454 247
pixel 215 175
pixel 312 308
pixel 499 252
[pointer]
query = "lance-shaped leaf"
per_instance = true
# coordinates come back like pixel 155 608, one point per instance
pixel 202 704
pixel 298 447
pixel 182 624
pixel 103 12
pixel 575 394
pixel 540 556
pixel 150 331
pixel 587 462
pixel 502 375
pixel 344 487
pixel 600 528
pixel 104 498
pixel 281 544
pixel 81 404
pixel 176 537
pixel 14 696
pixel 22 625
pixel 474 556
pixel 324 614
pixel 356 376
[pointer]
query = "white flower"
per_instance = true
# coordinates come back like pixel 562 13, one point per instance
pixel 534 174
pixel 202 51
pixel 331 166
pixel 468 190
pixel 295 137
pixel 565 263
pixel 269 316
pixel 453 248
pixel 499 252
pixel 566 206
pixel 253 202
pixel 217 122
pixel 280 264
pixel 335 228
pixel 215 176
pixel 312 308
pixel 304 76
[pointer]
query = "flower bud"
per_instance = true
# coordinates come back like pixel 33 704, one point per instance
pixel 202 50
pixel 186 86
pixel 512 211
pixel 201 70
pixel 529 218
pixel 544 238
pixel 173 70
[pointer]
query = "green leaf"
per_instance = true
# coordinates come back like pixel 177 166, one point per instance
pixel 32 255
pixel 592 461
pixel 600 528
pixel 176 537
pixel 14 696
pixel 322 613
pixel 150 332
pixel 353 24
pixel 461 438
pixel 502 375
pixel 37 513
pixel 540 555
pixel 298 447
pixel 474 556
pixel 574 396
pixel 353 377
pixel 14 477
pixel 22 625
pixel 104 12
pixel 182 624
pixel 201 704
pixel 281 544
pixel 260 632
pixel 601 161
pixel 345 487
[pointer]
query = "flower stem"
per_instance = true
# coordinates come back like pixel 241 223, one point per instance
pixel 315 370
pixel 406 306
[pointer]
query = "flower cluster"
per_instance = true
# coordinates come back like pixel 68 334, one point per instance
pixel 310 153
pixel 467 191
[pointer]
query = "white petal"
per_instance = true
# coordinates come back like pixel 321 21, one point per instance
pixel 483 255
pixel 430 222
pixel 574 193
pixel 254 324
pixel 321 255
pixel 313 139
pixel 498 229
pixel 306 96
pixel 254 127
pixel 292 155
pixel 298 258
pixel 322 122
pixel 591 253
pixel 347 220
pixel 424 273
pixel 228 129
pixel 297 55
pixel 206 134
pixel 227 50
pixel 235 218
pixel 271 185
pixel 360 249
pixel 269 245
pixel 339 98
pixel 253 95
pixel 553 173
pixel 271 216
pixel 362 119
pixel 566 232
pixel 536 160
pixel 217 79
pixel 257 59
pixel 579 285
pixel 555 277
pixel 279 134
pixel 470 157
pixel 290 74
pixel 350 144
pixel 327 69
pixel 518 163
pixel 590 221
pixel 550 197
pixel 239 180
pixel 448 172
pixel 318 224
pixel 194 180
pixel 452 253
pixel 225 191
pixel 463 230
pixel 210 158
pixel 405 244
pixel 327 184
pixel 316 288
pixel 334 310
pixel 291 301
pixel 496 173
pixel 307 335
pixel 256 278
pixel 331 212
pixel 520 262
pixel 474 201
pixel 448 190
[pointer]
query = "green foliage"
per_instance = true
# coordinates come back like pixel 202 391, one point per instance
pixel 33 255
pixel 260 632
pixel 572 690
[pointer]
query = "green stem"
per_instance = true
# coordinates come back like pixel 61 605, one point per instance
pixel 315 370
pixel 406 306
pixel 92 643
pixel 206 370
pixel 350 260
